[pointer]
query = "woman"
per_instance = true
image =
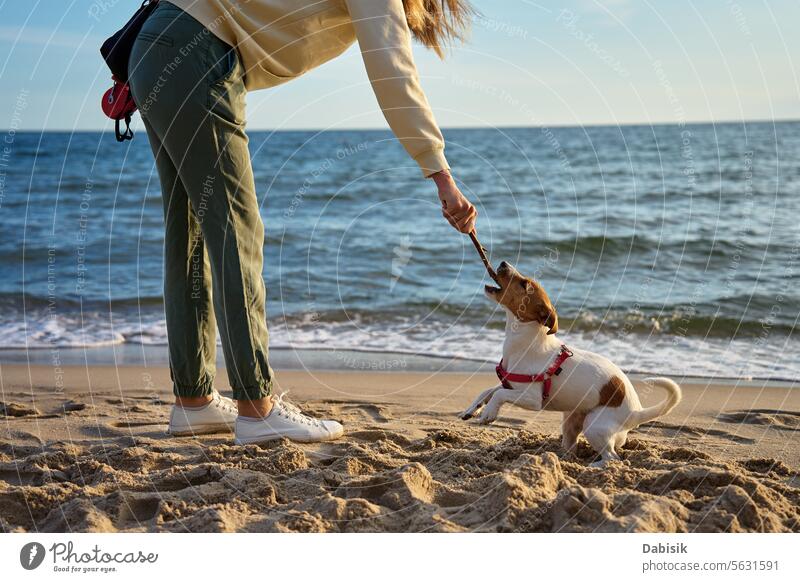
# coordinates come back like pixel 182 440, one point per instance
pixel 191 66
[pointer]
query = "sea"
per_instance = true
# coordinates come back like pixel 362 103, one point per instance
pixel 672 249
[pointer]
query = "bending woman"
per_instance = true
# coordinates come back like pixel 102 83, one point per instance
pixel 191 66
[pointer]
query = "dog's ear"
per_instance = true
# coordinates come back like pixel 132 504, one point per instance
pixel 548 318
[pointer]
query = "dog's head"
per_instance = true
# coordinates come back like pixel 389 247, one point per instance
pixel 523 297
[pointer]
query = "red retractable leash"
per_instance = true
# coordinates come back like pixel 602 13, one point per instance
pixel 118 104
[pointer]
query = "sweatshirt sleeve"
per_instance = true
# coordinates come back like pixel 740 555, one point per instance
pixel 385 43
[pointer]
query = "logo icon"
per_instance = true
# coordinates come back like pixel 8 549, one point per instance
pixel 31 555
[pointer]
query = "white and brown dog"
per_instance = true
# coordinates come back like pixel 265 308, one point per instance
pixel 538 372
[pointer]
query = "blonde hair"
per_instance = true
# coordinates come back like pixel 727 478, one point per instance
pixel 438 24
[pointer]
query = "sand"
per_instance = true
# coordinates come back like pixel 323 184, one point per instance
pixel 84 450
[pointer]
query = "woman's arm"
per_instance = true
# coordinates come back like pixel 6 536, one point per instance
pixel 385 43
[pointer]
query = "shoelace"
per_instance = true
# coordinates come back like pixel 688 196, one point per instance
pixel 284 408
pixel 288 410
pixel 226 404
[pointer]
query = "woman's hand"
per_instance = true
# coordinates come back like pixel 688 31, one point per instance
pixel 458 211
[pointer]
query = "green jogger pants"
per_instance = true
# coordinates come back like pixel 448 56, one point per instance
pixel 189 86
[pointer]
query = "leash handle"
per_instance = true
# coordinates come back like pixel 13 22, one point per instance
pixel 482 252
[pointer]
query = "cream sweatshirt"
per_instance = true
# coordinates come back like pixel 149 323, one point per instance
pixel 278 40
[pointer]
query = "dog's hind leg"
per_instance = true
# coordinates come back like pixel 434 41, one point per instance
pixel 479 402
pixel 601 428
pixel 571 427
pixel 621 439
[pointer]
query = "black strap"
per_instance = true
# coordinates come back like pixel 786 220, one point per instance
pixel 128 133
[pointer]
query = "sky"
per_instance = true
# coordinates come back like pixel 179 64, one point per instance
pixel 552 63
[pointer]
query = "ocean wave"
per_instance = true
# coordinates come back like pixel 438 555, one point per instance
pixel 685 320
pixel 725 317
pixel 697 250
pixel 30 302
pixel 643 350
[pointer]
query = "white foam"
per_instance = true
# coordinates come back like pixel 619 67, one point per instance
pixel 657 354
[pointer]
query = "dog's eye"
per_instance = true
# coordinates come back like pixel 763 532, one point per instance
pixel 523 284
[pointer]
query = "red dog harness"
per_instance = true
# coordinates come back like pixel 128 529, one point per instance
pixel 546 377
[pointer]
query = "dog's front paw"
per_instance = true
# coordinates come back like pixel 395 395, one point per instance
pixel 603 462
pixel 466 415
pixel 487 418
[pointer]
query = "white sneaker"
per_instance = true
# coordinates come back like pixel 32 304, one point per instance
pixel 219 415
pixel 285 420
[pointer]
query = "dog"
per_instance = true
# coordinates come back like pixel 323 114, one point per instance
pixel 538 372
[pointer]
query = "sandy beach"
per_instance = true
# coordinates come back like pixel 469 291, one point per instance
pixel 86 451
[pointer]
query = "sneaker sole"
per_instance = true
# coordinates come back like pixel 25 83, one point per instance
pixel 202 429
pixel 258 440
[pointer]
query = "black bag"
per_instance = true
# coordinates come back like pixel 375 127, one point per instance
pixel 117 103
pixel 116 50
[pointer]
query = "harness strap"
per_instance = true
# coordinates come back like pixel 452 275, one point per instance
pixel 546 377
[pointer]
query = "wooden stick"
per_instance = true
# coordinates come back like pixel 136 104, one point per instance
pixel 484 258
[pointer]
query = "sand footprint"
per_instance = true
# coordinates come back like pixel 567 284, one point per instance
pixel 364 410
pixel 677 429
pixel 780 419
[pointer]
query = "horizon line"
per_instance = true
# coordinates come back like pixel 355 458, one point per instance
pixel 459 127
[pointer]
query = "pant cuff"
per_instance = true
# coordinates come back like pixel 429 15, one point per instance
pixel 203 388
pixel 252 392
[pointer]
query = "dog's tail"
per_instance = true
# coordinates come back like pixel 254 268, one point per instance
pixel 674 396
